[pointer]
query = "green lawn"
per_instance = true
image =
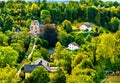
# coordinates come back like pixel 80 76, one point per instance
pixel 112 79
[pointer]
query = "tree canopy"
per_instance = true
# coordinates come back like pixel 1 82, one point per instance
pixel 39 75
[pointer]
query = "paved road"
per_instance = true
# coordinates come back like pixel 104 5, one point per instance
pixel 103 81
pixel 29 56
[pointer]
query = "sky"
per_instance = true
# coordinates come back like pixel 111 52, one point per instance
pixel 74 0
pixel 67 0
pixel 112 0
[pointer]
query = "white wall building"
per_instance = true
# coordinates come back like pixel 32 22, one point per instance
pixel 73 46
pixel 86 27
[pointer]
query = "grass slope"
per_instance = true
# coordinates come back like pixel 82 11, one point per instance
pixel 113 79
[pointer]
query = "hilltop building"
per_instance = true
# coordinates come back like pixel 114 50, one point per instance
pixel 35 28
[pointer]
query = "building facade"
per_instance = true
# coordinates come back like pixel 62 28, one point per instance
pixel 73 46
pixel 35 28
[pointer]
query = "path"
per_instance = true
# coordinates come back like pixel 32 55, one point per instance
pixel 29 56
pixel 103 81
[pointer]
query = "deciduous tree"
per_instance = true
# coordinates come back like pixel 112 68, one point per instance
pixel 67 26
pixel 49 33
pixel 8 56
pixel 39 75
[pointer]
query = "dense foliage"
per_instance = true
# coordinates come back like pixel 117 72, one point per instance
pixel 99 48
pixel 39 75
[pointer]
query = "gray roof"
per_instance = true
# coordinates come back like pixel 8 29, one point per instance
pixel 51 51
pixel 29 68
pixel 38 62
pixel 41 25
pixel 74 44
pixel 43 62
pixel 35 21
pixel 87 24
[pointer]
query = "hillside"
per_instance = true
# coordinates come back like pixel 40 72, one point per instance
pixel 52 42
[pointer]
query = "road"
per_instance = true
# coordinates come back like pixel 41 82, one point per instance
pixel 29 56
pixel 103 81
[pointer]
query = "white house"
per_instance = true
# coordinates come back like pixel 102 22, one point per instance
pixel 35 28
pixel 73 46
pixel 86 27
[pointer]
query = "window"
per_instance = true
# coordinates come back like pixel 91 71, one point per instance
pixel 31 28
pixel 35 28
pixel 48 64
pixel 40 62
pixel 35 31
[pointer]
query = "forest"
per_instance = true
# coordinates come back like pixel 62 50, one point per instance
pixel 99 48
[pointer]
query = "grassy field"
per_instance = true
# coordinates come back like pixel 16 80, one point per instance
pixel 112 79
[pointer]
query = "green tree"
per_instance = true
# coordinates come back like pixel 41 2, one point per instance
pixel 1 21
pixel 45 54
pixel 49 33
pixel 92 13
pixel 42 42
pixel 116 65
pixel 9 34
pixel 79 79
pixel 19 49
pixel 64 38
pixel 44 4
pixel 59 77
pixel 67 26
pixel 79 38
pixel 8 56
pixel 58 50
pixel 34 6
pixel 3 39
pixel 117 39
pixel 44 14
pixel 36 54
pixel 8 75
pixel 35 9
pixel 56 14
pixel 47 20
pixel 28 22
pixel 114 24
pixel 67 60
pixel 8 24
pixel 78 58
pixel 39 75
pixel 2 3
pixel 116 4
pixel 106 50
